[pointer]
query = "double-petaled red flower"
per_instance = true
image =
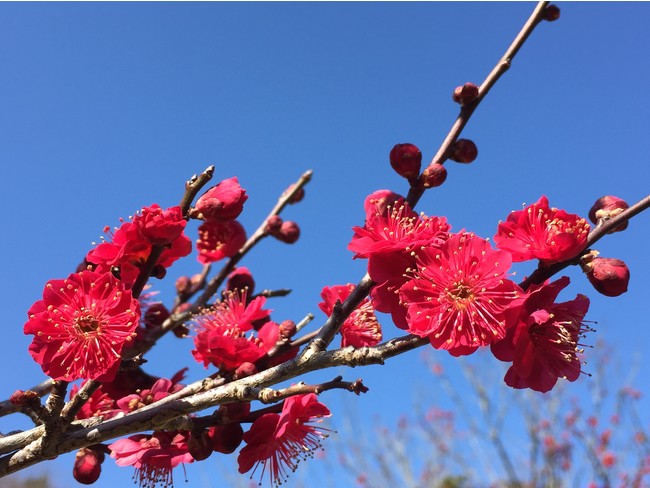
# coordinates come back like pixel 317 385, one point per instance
pixel 540 232
pixel 81 326
pixel 361 328
pixel 129 246
pixel 279 441
pixel 459 293
pixel 221 338
pixel 153 456
pixel 391 232
pixel 542 342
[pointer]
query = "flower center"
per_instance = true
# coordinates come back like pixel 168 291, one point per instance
pixel 460 293
pixel 86 324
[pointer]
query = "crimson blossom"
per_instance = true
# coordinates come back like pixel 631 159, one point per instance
pixel 540 232
pixel 459 293
pixel 153 456
pixel 279 441
pixel 391 231
pixel 219 239
pixel 130 245
pixel 81 326
pixel 542 343
pixel 361 328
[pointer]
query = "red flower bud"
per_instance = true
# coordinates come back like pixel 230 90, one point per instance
pixel 159 226
pixel 159 271
pixel 273 224
pixel 379 201
pixel 608 276
pixel 289 232
pixel 463 151
pixel 22 398
pixel 226 438
pixel 155 315
pixel 434 175
pixel 181 331
pixel 245 369
pixel 406 160
pixel 287 329
pixel 87 465
pixel 224 201
pixel 241 279
pixel 465 94
pixel 551 13
pixel 199 445
pixel 183 285
pixel 606 208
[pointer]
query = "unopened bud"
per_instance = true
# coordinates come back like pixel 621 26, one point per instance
pixel 297 196
pixel 606 208
pixel 226 438
pixel 87 465
pixel 245 369
pixel 551 13
pixel 21 398
pixel 155 315
pixel 406 160
pixel 199 445
pixel 465 94
pixel 183 285
pixel 434 175
pixel 287 329
pixel 463 151
pixel 273 224
pixel 181 331
pixel 609 276
pixel 241 279
pixel 288 233
pixel 158 271
pixel 224 201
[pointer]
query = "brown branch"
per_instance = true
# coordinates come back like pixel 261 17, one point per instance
pixel 193 187
pixel 268 395
pixel 466 111
pixel 541 274
pixel 42 389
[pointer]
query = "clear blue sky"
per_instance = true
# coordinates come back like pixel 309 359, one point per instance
pixel 108 107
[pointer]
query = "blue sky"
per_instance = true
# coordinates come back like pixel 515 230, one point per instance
pixel 108 107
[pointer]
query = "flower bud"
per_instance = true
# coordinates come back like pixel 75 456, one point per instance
pixel 155 315
pixel 434 175
pixel 241 279
pixel 273 224
pixel 199 445
pixel 463 151
pixel 224 201
pixel 181 331
pixel 606 208
pixel 608 276
pixel 226 438
pixel 465 94
pixel 379 201
pixel 245 369
pixel 87 465
pixel 288 233
pixel 287 329
pixel 159 271
pixel 406 160
pixel 161 227
pixel 551 13
pixel 296 197
pixel 183 285
pixel 21 398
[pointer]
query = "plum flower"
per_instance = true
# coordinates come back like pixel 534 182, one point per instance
pixel 279 441
pixel 81 326
pixel 224 201
pixel 153 456
pixel 542 343
pixel 361 328
pixel 540 232
pixel 459 294
pixel 391 231
pixel 218 240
